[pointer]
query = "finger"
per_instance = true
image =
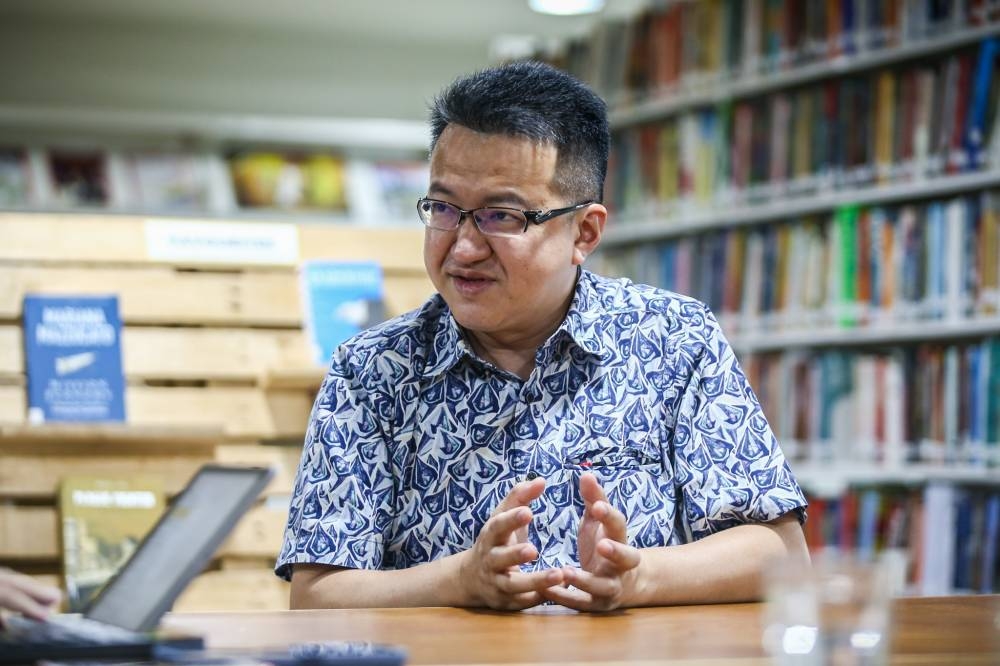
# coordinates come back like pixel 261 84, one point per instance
pixel 619 555
pixel 586 592
pixel 522 494
pixel 521 601
pixel 599 587
pixel 24 594
pixel 614 522
pixel 590 489
pixel 570 597
pixel 16 600
pixel 498 529
pixel 43 594
pixel 517 583
pixel 502 558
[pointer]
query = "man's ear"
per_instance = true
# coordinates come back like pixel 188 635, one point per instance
pixel 589 230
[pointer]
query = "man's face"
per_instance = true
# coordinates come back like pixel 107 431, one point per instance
pixel 512 289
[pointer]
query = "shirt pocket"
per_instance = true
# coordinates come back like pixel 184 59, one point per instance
pixel 609 459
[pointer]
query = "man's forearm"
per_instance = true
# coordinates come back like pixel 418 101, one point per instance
pixel 435 583
pixel 724 567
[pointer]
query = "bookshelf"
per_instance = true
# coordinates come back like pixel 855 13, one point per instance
pixel 873 336
pixel 360 172
pixel 826 177
pixel 733 85
pixel 834 481
pixel 629 229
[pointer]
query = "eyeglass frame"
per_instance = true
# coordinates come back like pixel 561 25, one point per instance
pixel 530 216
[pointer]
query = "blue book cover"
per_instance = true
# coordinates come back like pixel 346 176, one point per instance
pixel 73 358
pixel 975 124
pixel 339 299
pixel 871 504
pixel 991 539
pixel 961 575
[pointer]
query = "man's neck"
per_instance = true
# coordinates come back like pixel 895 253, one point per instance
pixel 516 360
pixel 517 354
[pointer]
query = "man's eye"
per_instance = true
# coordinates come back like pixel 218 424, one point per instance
pixel 439 208
pixel 498 216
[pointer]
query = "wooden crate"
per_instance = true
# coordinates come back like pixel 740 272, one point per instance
pixel 234 589
pixel 28 532
pixel 217 369
pixel 162 294
pixel 259 533
pixel 284 459
pixel 33 460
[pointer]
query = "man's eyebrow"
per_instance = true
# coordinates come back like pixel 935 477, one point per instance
pixel 437 188
pixel 507 198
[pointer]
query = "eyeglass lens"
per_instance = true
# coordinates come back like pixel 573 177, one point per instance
pixel 493 221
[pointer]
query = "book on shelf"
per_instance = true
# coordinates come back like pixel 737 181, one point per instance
pixel 339 300
pixel 861 266
pixel 387 190
pixel 173 181
pixel 78 178
pixel 73 358
pixel 939 554
pixel 170 182
pixel 985 90
pixel 946 532
pixel 933 403
pixel 988 575
pixel 102 522
pixel 681 46
pixel 15 178
pixel 289 181
pixel 902 123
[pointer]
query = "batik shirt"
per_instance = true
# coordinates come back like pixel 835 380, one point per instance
pixel 414 440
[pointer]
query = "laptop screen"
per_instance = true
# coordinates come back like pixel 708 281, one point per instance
pixel 178 547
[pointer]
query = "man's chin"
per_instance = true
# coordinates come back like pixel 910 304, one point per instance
pixel 473 322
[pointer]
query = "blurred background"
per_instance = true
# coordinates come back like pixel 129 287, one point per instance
pixel 232 183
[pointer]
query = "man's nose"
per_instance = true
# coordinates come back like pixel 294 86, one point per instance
pixel 469 240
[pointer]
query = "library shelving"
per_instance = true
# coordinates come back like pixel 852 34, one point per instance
pixel 628 229
pixel 826 177
pixel 363 172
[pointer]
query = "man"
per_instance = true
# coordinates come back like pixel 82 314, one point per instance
pixel 534 433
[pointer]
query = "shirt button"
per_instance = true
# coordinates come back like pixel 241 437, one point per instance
pixel 532 476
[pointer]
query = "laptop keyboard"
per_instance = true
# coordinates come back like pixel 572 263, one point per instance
pixel 65 630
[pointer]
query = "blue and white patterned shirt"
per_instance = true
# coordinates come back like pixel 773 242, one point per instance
pixel 414 440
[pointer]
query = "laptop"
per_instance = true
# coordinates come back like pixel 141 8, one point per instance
pixel 120 622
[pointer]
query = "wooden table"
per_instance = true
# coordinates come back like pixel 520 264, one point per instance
pixel 942 630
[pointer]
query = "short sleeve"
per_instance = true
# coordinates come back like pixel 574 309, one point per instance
pixel 730 468
pixel 343 490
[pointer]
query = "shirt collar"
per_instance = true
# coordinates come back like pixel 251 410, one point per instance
pixel 446 342
pixel 585 312
pixel 449 346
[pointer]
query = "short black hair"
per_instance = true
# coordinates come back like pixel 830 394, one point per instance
pixel 536 101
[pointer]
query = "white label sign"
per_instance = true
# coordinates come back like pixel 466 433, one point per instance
pixel 222 242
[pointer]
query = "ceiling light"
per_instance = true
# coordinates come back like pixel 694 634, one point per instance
pixel 566 7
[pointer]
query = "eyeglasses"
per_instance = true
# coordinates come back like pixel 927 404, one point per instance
pixel 491 220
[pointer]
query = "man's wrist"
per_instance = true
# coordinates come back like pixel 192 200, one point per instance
pixel 454 588
pixel 640 582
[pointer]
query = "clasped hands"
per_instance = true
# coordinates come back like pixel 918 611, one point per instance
pixel 608 575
